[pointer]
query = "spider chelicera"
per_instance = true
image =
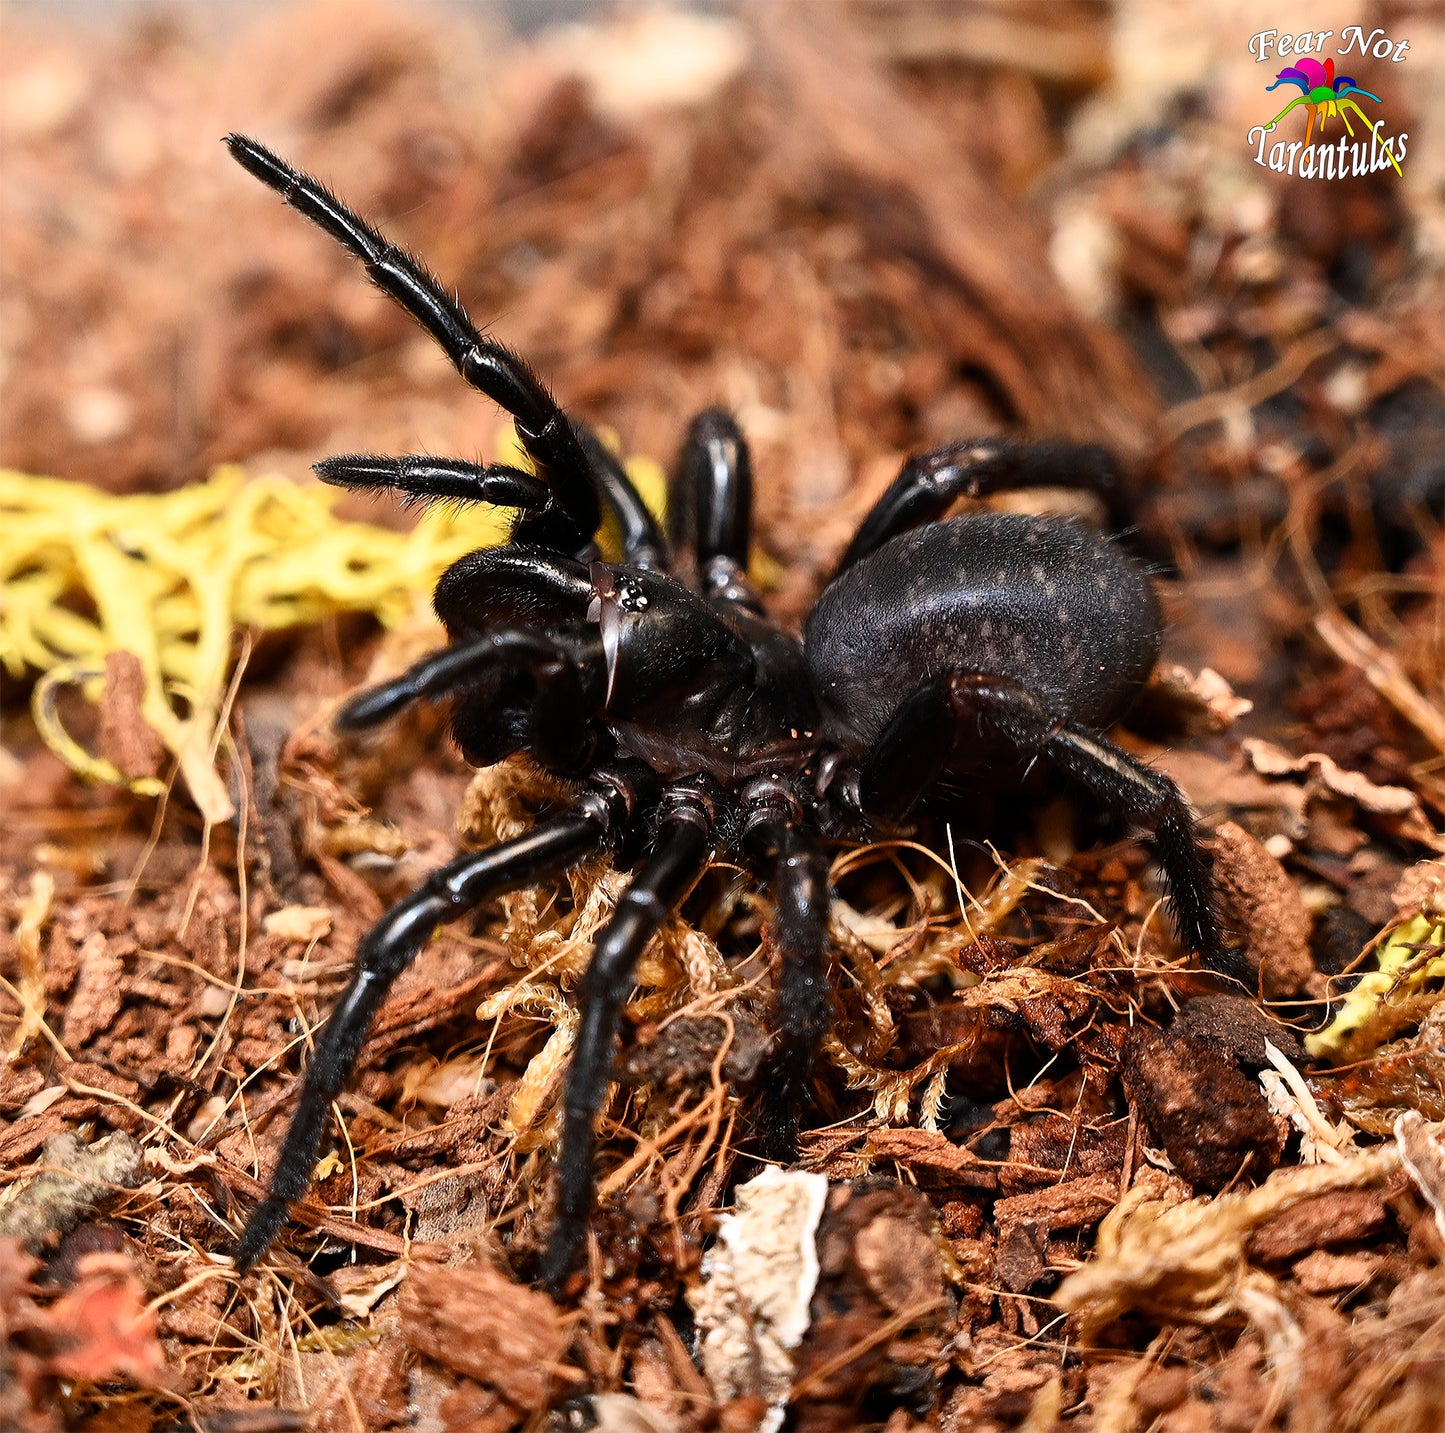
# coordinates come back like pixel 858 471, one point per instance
pixel 690 723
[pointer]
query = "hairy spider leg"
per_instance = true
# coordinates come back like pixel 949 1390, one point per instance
pixel 563 739
pixel 1126 785
pixel 643 544
pixel 801 1010
pixel 680 853
pixel 930 483
pixel 894 779
pixel 385 951
pixel 712 507
pixel 543 428
pixel 426 479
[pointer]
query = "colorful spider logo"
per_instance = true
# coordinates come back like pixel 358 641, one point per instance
pixel 1325 95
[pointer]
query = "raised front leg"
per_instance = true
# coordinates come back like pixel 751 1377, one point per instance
pixel 544 430
pixel 425 480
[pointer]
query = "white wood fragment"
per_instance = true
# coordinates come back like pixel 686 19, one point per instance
pixel 758 1281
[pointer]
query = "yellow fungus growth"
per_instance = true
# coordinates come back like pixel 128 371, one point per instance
pixel 172 577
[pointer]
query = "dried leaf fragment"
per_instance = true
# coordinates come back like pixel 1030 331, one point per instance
pixel 1186 1262
pixel 1204 691
pixel 1325 775
pixel 102 1328
pixel 301 925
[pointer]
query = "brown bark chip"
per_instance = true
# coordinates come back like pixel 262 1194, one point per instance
pixel 877 1262
pixel 369 1386
pixel 1042 1149
pixel 1340 1217
pixel 1260 903
pixel 1238 1026
pixel 475 1320
pixel 127 740
pixel 1074 1204
pixel 1021 1260
pixel 1324 1273
pixel 1211 1119
pixel 469 1409
pixel 98 993
pixel 933 1158
pixel 899 1261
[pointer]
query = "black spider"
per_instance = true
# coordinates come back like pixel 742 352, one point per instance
pixel 692 723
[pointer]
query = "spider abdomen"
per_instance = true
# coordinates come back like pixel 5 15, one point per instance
pixel 1047 603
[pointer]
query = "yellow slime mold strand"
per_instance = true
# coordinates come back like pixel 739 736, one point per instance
pixel 172 576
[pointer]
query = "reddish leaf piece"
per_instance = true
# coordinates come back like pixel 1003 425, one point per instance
pixel 102 1328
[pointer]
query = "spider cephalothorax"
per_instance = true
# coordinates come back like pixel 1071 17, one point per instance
pixel 689 722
